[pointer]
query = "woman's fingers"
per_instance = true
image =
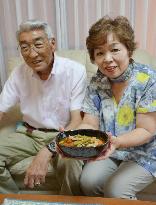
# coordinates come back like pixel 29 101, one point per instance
pixel 61 129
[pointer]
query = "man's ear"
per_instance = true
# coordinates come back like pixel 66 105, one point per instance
pixel 53 44
pixel 52 40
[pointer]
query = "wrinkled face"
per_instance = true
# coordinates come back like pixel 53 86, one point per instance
pixel 37 50
pixel 112 58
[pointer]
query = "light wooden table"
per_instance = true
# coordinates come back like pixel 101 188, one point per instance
pixel 76 199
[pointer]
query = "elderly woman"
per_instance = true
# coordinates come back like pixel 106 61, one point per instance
pixel 121 99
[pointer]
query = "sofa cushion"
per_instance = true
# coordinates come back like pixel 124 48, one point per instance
pixel 82 57
pixel 7 125
pixel 77 55
pixel 144 57
pixel 9 120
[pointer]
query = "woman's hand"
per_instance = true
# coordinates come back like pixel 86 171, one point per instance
pixel 114 144
pixel 61 129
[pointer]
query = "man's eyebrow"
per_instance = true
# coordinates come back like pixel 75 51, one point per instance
pixel 22 42
pixel 38 39
pixel 34 40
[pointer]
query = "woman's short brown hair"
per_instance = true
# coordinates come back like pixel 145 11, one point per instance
pixel 120 27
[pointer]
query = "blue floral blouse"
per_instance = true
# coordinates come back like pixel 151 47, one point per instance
pixel 138 97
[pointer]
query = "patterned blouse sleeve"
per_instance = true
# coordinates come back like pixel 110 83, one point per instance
pixel 147 102
pixel 91 102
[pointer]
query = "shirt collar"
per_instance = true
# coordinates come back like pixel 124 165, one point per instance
pixel 53 70
pixel 55 64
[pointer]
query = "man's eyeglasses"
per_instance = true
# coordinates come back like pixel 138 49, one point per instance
pixel 26 48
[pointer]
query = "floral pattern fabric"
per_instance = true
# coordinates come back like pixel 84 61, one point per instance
pixel 139 97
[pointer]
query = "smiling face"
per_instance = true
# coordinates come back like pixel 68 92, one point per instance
pixel 112 58
pixel 37 50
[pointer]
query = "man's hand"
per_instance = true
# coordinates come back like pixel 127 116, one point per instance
pixel 36 172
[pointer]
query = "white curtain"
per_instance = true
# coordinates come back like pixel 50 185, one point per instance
pixel 71 19
pixel 61 24
pixel 3 73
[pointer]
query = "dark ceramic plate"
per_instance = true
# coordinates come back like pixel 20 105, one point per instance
pixel 83 152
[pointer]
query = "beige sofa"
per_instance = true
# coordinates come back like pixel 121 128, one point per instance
pixel 8 125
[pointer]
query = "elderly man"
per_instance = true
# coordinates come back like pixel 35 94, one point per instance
pixel 50 90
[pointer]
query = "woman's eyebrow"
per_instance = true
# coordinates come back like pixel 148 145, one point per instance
pixel 114 44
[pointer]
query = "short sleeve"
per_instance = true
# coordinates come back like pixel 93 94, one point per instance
pixel 9 96
pixel 78 87
pixel 92 102
pixel 147 101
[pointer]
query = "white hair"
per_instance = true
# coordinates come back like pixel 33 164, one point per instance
pixel 31 25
